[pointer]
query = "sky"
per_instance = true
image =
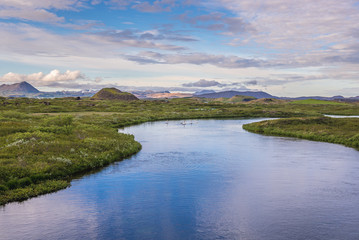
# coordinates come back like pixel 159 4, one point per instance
pixel 284 47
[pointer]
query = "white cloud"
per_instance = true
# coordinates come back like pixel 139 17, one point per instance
pixel 52 79
pixel 202 83
pixel 37 10
pixel 57 76
pixel 298 25
pixel 25 39
pixel 39 15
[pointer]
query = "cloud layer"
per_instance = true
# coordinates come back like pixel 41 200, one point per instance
pixel 277 45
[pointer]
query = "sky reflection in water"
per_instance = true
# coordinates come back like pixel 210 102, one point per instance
pixel 207 180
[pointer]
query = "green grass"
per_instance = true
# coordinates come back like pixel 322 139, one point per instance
pixel 40 154
pixel 334 130
pixel 315 101
pixel 235 99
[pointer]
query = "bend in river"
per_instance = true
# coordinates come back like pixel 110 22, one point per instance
pixel 208 179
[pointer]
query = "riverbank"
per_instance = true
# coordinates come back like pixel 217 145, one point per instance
pixel 41 154
pixel 343 131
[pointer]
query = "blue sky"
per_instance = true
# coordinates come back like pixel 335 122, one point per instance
pixel 284 47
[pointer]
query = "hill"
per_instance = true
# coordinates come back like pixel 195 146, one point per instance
pixel 22 88
pixel 235 99
pixel 230 94
pixel 113 94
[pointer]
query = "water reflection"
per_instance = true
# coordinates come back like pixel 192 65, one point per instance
pixel 208 180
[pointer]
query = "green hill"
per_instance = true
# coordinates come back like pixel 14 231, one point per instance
pixel 113 94
pixel 234 99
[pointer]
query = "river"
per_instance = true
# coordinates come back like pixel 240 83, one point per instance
pixel 208 179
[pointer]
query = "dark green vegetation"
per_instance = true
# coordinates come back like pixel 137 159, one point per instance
pixel 113 94
pixel 334 130
pixel 44 143
pixel 235 99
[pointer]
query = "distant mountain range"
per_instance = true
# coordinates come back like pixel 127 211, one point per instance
pixel 203 92
pixel 229 94
pixel 24 89
pixel 260 94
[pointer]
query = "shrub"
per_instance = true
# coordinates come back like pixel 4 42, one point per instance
pixel 12 184
pixel 14 114
pixel 38 178
pixel 3 188
pixel 23 182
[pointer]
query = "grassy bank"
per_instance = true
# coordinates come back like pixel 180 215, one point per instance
pixel 40 154
pixel 334 130
pixel 44 143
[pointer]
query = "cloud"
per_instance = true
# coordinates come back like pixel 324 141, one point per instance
pixel 284 79
pixel 297 25
pixel 224 86
pixel 67 79
pixel 222 61
pixel 38 15
pixel 143 37
pixel 26 40
pixel 269 43
pixel 37 10
pixel 203 83
pixel 153 8
pixel 144 6
pixel 251 82
pixel 120 4
pixel 216 21
pixel 53 76
pixel 57 76
pixel 96 2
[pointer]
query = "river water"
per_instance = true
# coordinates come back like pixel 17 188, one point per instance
pixel 205 180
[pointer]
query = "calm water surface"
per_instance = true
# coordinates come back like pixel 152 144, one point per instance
pixel 208 180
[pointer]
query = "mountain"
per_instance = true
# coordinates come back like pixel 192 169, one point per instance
pixel 113 94
pixel 230 94
pixel 203 92
pixel 168 95
pixel 142 94
pixel 16 89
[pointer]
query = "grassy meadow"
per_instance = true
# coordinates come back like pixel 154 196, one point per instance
pixel 44 143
